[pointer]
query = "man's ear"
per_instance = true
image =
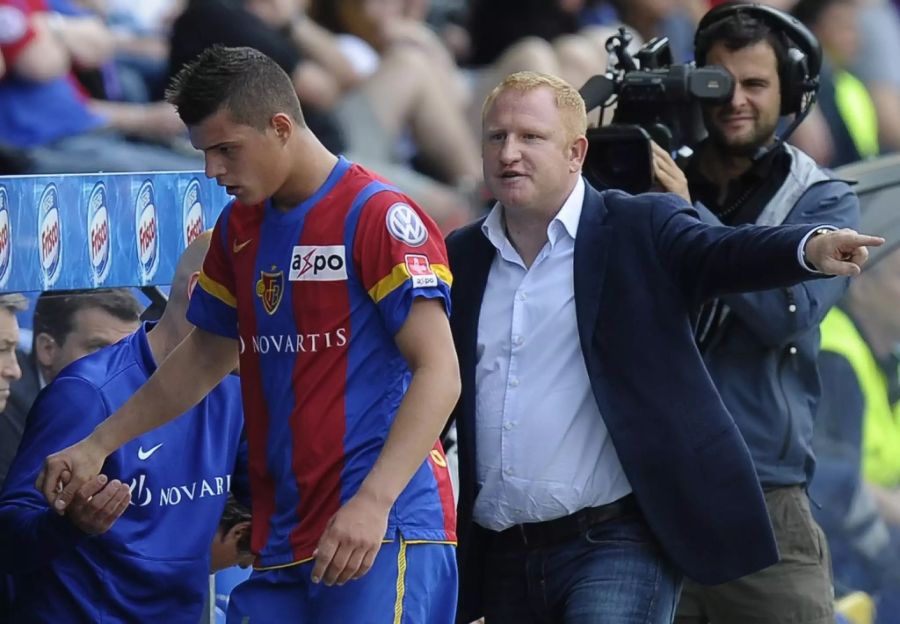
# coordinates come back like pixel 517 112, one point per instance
pixel 577 153
pixel 239 534
pixel 283 126
pixel 45 349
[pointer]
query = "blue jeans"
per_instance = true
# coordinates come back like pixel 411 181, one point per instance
pixel 614 573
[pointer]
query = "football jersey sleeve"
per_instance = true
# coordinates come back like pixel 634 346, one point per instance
pixel 399 255
pixel 213 305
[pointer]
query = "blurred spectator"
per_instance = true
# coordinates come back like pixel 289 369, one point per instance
pixel 135 545
pixel 876 65
pixel 858 427
pixel 10 371
pixel 843 128
pixel 141 36
pixel 10 304
pixel 409 82
pixel 44 112
pixel 369 112
pixel 369 29
pixel 538 35
pixel 674 19
pixel 67 325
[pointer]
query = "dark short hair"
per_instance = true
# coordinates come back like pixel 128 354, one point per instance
pixel 233 514
pixel 55 310
pixel 246 82
pixel 740 30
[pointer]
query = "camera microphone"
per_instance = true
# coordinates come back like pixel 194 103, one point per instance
pixel 780 140
pixel 596 91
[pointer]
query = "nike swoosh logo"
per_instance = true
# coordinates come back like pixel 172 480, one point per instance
pixel 142 454
pixel 236 247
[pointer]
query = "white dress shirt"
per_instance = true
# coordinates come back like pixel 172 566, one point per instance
pixel 543 450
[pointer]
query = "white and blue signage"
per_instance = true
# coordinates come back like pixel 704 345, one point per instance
pixel 89 231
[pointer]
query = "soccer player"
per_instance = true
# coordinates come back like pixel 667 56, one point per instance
pixel 333 287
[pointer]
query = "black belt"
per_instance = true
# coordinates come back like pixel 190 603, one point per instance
pixel 559 530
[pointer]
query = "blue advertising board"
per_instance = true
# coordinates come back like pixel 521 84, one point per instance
pixel 87 231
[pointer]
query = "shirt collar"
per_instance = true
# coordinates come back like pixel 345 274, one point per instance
pixel 566 220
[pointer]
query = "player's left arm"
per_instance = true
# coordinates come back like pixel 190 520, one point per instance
pixel 352 538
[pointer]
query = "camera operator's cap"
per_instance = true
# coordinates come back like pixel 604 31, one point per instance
pixel 878 186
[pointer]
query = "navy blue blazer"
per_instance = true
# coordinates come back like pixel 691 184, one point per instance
pixel 641 264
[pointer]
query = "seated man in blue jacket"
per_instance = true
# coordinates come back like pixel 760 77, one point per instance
pixel 139 548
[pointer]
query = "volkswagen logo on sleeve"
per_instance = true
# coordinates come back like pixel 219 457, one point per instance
pixel 192 212
pixel 98 233
pixel 5 238
pixel 49 235
pixel 406 225
pixel 146 228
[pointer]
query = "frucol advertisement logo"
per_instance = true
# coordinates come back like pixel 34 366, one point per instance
pixel 146 229
pixel 5 238
pixel 98 233
pixel 192 212
pixel 50 235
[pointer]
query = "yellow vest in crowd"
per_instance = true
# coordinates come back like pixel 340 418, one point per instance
pixel 881 420
pixel 858 112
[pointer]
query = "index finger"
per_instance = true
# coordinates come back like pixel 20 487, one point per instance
pixel 868 241
pixel 324 554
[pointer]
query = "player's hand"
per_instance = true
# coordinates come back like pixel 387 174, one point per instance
pixel 667 174
pixel 98 504
pixel 840 252
pixel 351 540
pixel 65 472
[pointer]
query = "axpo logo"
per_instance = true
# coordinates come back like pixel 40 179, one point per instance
pixel 98 233
pixel 146 228
pixel 5 238
pixel 318 264
pixel 50 235
pixel 192 212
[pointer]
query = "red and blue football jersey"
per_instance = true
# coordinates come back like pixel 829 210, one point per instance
pixel 315 297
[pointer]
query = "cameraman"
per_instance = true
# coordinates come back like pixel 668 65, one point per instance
pixel 760 348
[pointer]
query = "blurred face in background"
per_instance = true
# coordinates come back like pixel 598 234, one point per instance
pixel 838 31
pixel 748 121
pixel 382 11
pixel 9 366
pixel 275 13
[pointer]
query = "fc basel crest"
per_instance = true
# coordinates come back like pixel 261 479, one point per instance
pixel 269 289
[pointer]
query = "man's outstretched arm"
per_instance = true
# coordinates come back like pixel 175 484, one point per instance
pixel 190 372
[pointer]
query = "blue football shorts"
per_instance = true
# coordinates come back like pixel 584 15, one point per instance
pixel 409 583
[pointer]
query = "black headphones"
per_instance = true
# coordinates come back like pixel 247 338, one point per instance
pixel 798 72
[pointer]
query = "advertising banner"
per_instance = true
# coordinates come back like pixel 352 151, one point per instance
pixel 100 230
